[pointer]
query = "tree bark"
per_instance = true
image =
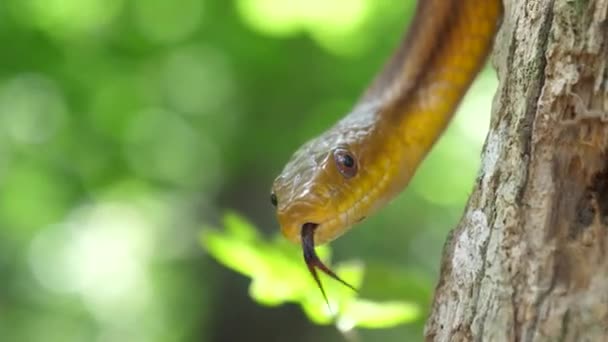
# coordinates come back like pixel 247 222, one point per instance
pixel 528 260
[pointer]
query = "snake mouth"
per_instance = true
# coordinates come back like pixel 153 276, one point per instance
pixel 312 260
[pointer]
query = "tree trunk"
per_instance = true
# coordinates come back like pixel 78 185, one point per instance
pixel 528 260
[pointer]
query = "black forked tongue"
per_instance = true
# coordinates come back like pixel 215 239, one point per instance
pixel 312 260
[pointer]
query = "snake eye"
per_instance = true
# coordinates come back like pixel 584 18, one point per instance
pixel 346 163
pixel 274 200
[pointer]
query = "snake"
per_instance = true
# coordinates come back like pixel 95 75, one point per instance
pixel 368 157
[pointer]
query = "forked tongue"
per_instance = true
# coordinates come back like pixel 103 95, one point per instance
pixel 312 260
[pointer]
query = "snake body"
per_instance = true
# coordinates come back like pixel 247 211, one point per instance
pixel 368 157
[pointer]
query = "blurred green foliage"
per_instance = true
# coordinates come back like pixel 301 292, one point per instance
pixel 126 125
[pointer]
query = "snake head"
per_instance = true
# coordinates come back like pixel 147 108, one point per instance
pixel 306 192
pixel 331 181
pixel 323 189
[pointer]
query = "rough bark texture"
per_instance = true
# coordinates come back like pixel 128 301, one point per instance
pixel 528 261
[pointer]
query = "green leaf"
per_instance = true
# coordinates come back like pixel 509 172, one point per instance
pixel 234 253
pixel 279 276
pixel 368 314
pixel 239 228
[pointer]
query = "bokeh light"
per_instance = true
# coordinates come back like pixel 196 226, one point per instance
pixel 198 81
pixel 167 22
pixel 66 18
pixel 33 108
pixel 336 25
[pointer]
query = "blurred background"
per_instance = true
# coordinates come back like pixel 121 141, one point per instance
pixel 128 125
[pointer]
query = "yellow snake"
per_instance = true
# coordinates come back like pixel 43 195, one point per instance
pixel 367 158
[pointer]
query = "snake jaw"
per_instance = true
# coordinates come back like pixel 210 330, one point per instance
pixel 312 260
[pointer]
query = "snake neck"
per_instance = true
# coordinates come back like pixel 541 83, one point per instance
pixel 421 87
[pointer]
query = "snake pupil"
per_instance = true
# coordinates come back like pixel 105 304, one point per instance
pixel 348 161
pixel 345 162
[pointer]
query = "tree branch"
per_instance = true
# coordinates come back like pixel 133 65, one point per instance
pixel 528 261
